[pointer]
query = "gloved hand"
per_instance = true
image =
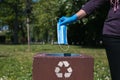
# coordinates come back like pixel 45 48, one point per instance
pixel 68 20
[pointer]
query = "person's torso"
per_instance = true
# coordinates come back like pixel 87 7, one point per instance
pixel 112 23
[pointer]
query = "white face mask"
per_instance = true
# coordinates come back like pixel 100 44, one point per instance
pixel 62 34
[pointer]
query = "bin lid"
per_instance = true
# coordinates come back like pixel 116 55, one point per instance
pixel 59 55
pixel 62 54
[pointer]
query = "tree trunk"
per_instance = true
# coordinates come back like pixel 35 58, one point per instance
pixel 15 41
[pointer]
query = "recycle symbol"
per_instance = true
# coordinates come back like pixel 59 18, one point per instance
pixel 68 71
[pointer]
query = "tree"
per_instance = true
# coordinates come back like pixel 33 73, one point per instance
pixel 12 14
pixel 44 16
pixel 45 13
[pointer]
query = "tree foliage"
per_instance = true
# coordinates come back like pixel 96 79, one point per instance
pixel 12 13
pixel 44 15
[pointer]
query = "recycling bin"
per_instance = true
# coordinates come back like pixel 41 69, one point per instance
pixel 62 66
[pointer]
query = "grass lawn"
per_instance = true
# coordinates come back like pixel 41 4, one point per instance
pixel 16 60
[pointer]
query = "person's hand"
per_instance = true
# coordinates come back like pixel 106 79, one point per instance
pixel 68 20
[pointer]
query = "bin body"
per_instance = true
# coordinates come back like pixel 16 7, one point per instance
pixel 52 67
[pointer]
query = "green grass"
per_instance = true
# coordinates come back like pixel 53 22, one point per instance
pixel 16 60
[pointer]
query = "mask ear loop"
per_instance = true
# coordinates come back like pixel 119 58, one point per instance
pixel 63 49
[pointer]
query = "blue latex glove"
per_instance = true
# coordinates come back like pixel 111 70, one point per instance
pixel 68 20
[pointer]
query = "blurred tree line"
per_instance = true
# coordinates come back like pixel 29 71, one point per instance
pixel 43 16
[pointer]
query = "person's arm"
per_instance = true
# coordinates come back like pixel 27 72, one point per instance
pixel 80 14
pixel 88 8
pixel 92 5
pixel 66 20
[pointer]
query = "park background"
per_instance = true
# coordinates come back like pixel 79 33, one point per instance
pixel 28 27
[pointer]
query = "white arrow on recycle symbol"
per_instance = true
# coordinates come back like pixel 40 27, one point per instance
pixel 66 74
